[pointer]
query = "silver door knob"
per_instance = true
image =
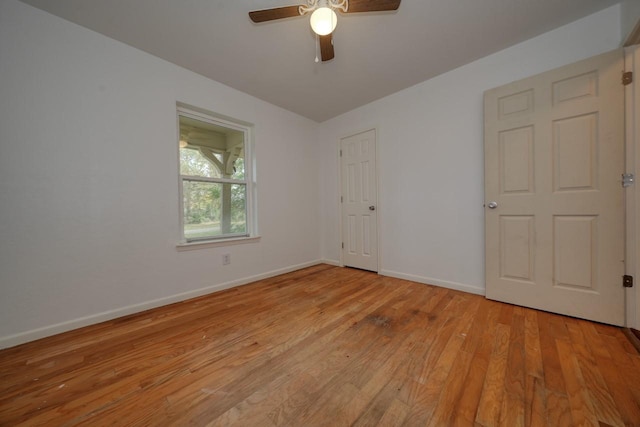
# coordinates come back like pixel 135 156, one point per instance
pixel 492 205
pixel 372 208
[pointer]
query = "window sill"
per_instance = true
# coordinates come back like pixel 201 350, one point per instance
pixel 190 246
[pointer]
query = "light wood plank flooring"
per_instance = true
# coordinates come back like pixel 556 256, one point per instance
pixel 327 346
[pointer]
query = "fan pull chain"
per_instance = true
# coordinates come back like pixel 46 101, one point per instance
pixel 317 47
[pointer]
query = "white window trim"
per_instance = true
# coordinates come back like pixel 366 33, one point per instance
pixel 203 244
pixel 251 234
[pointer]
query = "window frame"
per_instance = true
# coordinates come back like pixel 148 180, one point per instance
pixel 250 233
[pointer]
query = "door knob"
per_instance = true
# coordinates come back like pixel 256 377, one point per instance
pixel 492 205
pixel 372 208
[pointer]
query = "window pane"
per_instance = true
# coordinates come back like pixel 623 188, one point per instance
pixel 193 163
pixel 210 150
pixel 238 167
pixel 213 209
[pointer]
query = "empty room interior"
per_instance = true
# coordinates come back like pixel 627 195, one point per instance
pixel 331 213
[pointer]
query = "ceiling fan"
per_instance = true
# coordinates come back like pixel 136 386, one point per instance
pixel 323 16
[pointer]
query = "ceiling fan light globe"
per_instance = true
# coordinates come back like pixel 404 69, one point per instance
pixel 323 21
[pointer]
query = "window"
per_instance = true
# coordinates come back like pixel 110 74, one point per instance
pixel 215 177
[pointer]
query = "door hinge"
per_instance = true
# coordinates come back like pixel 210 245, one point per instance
pixel 342 245
pixel 341 200
pixel 627 281
pixel 340 153
pixel 627 78
pixel 627 179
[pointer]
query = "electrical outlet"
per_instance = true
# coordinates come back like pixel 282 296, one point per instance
pixel 226 259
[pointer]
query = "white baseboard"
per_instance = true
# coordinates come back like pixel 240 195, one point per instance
pixel 32 335
pixel 436 282
pixel 332 262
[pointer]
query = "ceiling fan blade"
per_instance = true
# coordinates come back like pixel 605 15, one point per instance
pixel 275 13
pixel 372 5
pixel 326 47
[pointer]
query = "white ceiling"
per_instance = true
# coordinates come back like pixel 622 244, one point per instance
pixel 376 53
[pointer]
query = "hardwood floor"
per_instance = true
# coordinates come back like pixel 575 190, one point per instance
pixel 327 346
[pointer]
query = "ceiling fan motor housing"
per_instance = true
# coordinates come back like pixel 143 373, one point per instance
pixel 312 5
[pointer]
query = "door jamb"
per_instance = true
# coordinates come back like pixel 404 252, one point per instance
pixel 632 193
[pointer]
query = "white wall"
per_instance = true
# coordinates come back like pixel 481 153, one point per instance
pixel 430 157
pixel 88 180
pixel 630 14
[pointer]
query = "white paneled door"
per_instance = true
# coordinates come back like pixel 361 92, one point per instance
pixel 359 201
pixel 554 207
